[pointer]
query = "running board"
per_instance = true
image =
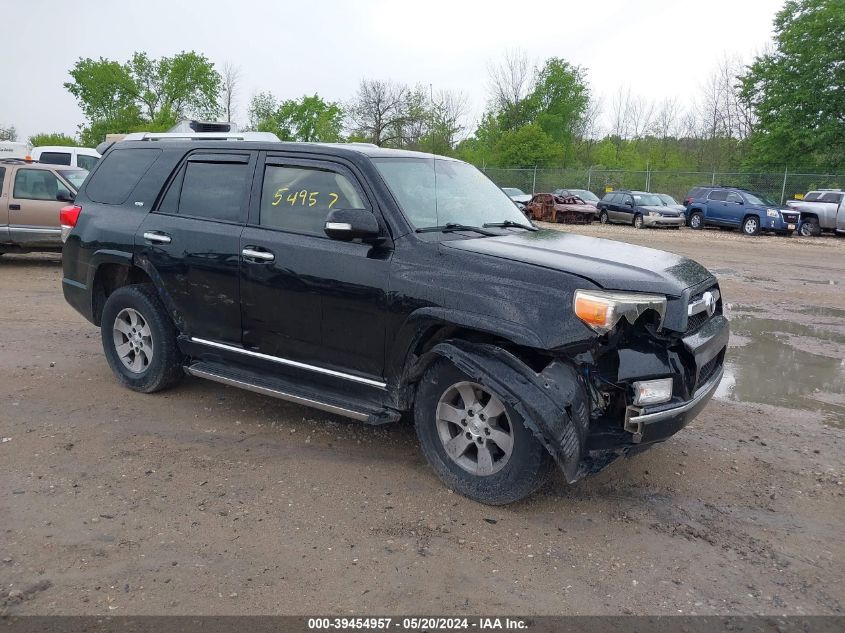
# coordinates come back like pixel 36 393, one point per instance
pixel 286 390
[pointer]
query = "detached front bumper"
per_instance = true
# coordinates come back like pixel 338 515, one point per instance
pixel 656 221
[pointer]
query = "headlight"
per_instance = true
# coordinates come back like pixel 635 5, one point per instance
pixel 654 214
pixel 772 213
pixel 602 310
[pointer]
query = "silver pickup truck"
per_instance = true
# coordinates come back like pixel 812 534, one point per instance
pixel 821 210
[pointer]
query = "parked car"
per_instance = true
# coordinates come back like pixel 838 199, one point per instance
pixel 670 202
pixel 821 210
pixel 31 195
pixel 84 157
pixel 548 207
pixel 520 198
pixel 587 196
pixel 731 207
pixel 376 284
pixel 639 208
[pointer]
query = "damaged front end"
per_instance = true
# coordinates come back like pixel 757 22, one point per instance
pixel 649 371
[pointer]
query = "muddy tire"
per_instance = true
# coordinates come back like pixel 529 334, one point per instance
pixel 809 228
pixel 751 226
pixel 696 221
pixel 477 444
pixel 603 217
pixel 139 340
pixel 638 221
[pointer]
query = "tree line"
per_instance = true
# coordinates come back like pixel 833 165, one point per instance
pixel 786 108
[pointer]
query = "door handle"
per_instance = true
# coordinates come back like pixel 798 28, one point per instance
pixel 157 237
pixel 252 254
pixel 14 207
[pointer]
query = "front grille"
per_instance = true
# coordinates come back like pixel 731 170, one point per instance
pixel 695 321
pixel 708 370
pixel 790 217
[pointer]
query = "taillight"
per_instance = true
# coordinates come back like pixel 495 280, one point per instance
pixel 68 217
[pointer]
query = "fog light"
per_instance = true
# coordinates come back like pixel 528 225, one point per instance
pixel 652 391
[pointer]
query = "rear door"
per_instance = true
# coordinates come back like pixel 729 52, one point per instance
pixel 33 209
pixel 626 208
pixel 192 238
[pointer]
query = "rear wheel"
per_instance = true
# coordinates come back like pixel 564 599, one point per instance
pixel 696 221
pixel 603 217
pixel 638 221
pixel 476 443
pixel 139 340
pixel 751 225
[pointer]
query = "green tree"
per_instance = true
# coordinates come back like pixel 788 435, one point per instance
pixel 307 119
pixel 797 91
pixel 54 138
pixel 143 93
pixel 8 133
pixel 526 147
pixel 559 102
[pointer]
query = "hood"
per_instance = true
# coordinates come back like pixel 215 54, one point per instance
pixel 662 210
pixel 610 264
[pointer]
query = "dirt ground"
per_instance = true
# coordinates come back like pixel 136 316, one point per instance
pixel 211 500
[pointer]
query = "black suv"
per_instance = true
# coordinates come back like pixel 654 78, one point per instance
pixel 379 284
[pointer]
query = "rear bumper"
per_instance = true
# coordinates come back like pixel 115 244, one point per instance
pixel 79 297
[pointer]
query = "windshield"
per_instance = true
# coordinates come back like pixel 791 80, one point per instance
pixel 666 198
pixel 513 191
pixel 453 192
pixel 753 198
pixel 586 196
pixel 647 200
pixel 74 176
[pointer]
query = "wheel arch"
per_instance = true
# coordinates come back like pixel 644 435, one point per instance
pixel 111 273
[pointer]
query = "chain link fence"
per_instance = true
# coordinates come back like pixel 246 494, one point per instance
pixel 778 186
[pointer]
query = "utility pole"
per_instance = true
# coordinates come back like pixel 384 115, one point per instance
pixel 783 189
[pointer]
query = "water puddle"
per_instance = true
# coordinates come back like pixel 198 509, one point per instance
pixel 787 364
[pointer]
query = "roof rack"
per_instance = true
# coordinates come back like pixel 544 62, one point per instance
pixel 17 161
pixel 202 136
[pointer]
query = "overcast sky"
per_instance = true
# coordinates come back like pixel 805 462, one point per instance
pixel 658 47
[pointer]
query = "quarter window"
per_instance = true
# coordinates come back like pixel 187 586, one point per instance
pixel 734 197
pixel 36 184
pixel 298 199
pixel 831 197
pixel 120 172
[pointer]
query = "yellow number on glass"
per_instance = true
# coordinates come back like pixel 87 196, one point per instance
pixel 312 198
pixel 277 197
pixel 302 195
pixel 334 199
pixel 292 198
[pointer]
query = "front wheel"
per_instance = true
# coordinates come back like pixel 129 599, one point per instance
pixel 809 228
pixel 751 225
pixel 696 221
pixel 638 221
pixel 139 340
pixel 476 443
pixel 603 217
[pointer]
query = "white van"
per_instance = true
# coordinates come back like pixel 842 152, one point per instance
pixel 13 149
pixel 84 157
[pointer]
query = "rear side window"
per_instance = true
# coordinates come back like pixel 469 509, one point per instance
pixel 55 158
pixel 121 170
pixel 831 197
pixel 215 190
pixel 718 195
pixel 86 162
pixel 298 199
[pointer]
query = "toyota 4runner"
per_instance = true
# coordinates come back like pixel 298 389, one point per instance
pixel 380 284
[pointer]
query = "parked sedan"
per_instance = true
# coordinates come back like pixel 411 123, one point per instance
pixel 670 202
pixel 639 208
pixel 548 207
pixel 519 197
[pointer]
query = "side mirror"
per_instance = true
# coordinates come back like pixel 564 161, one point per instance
pixel 63 195
pixel 629 203
pixel 349 224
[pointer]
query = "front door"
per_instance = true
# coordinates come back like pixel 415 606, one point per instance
pixel 305 297
pixel 33 209
pixel 716 203
pixel 191 243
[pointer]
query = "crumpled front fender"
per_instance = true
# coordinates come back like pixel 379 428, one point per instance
pixel 552 403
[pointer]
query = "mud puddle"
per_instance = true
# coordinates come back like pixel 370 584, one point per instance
pixel 787 364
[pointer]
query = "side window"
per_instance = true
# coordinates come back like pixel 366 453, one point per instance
pixel 55 158
pixel 734 197
pixel 626 199
pixel 720 195
pixel 209 189
pixel 86 162
pixel 121 170
pixel 2 179
pixel 298 199
pixel 36 184
pixel 611 198
pixel 831 197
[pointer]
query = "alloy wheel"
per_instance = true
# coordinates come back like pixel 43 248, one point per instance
pixel 474 428
pixel 132 340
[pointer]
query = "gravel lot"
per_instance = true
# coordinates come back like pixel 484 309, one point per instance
pixel 211 500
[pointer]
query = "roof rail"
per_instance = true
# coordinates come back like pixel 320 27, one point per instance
pixel 202 136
